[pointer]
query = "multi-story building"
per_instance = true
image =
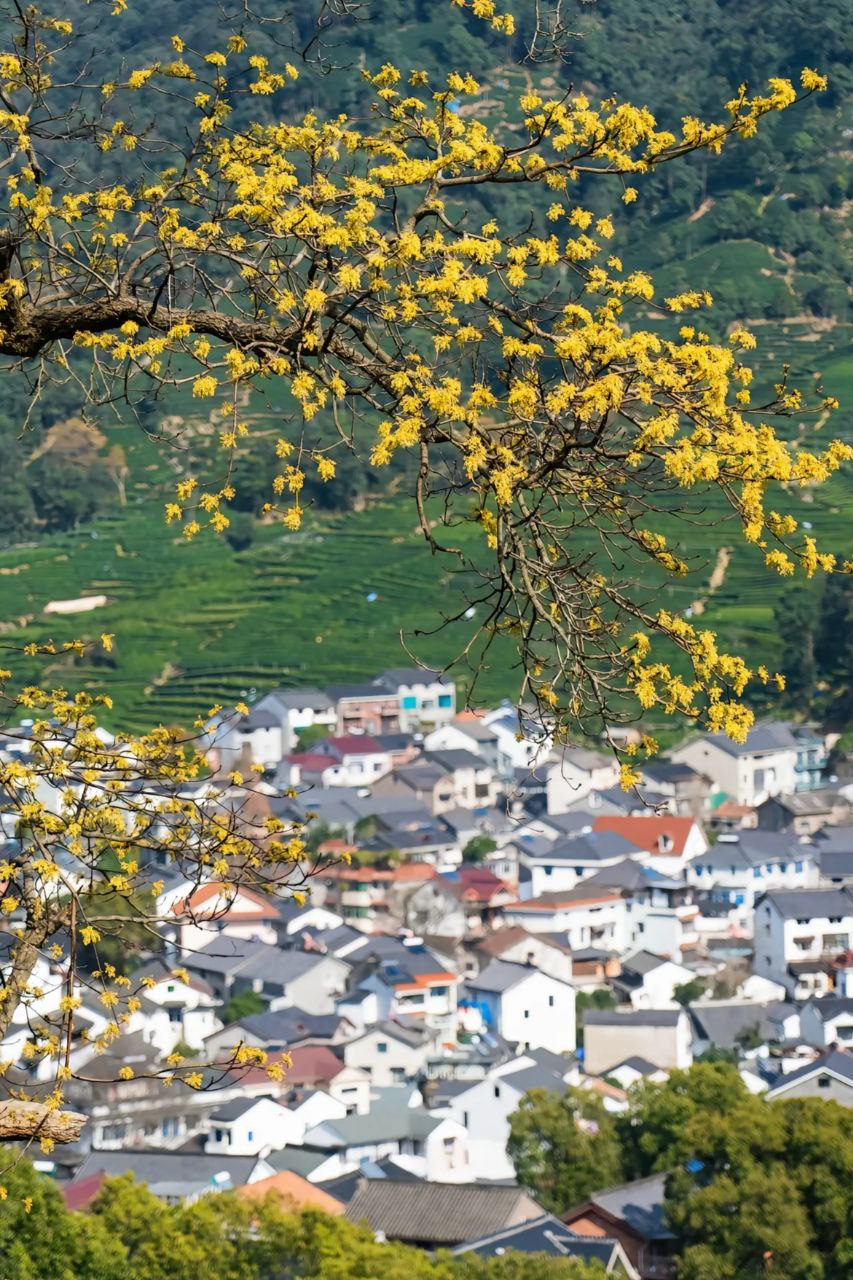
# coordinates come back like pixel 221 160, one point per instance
pixel 800 936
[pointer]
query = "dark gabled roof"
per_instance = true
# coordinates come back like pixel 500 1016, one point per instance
pixel 455 758
pixel 398 963
pixel 233 1110
pixel 304 697
pixel 546 1235
pixel 795 904
pixel 721 1022
pixel 287 1026
pixel 808 803
pixel 669 771
pixel 591 846
pixel 499 976
pixel 837 1062
pixel 439 1213
pixel 836 864
pixel 270 964
pixel 395 676
pixel 420 775
pixel 344 1187
pixel 836 838
pixel 640 1204
pixel 301 1160
pixel 635 1063
pixel 367 692
pixel 535 1077
pixel 643 962
pixel 589 955
pixel 414 1037
pixel 631 876
pixel 393 741
pixel 765 735
pixel 831 1006
pixel 258 718
pixel 749 848
pixel 156 1167
pixel 633 1018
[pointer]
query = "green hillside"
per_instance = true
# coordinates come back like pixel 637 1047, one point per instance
pixel 764 228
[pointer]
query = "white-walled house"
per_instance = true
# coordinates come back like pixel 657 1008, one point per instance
pixel 648 981
pixel 215 909
pixel 584 918
pixel 776 757
pixel 351 760
pixel 388 1052
pixel 745 864
pixel 295 710
pixel 426 697
pixel 250 1126
pixel 798 936
pixel 516 945
pixel 828 1021
pixel 470 733
pixel 572 773
pixel 188 1008
pixel 484 1109
pixel 432 1145
pixel 256 738
pixel 523 744
pixel 545 867
pixel 525 1006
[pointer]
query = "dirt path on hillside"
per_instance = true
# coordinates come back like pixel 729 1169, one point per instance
pixel 716 580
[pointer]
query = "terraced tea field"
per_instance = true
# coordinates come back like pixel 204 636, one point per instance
pixel 197 623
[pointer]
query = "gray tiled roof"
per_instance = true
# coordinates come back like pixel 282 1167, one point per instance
pixel 385 1122
pixel 233 1110
pixel 795 904
pixel 750 848
pixel 721 1022
pixel 592 846
pixel 499 975
pixel 635 1018
pixel 168 1166
pixel 411 675
pixel 838 1061
pixel 640 1204
pixel 440 1213
pixel 546 1235
pixel 636 1063
pixel 643 962
pixel 831 1006
pixel 766 735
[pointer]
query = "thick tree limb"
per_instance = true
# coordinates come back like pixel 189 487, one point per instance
pixel 35 1120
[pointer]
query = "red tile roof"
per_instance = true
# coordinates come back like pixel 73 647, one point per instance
pixel 313 1063
pixel 79 1195
pixel 313 761
pixel 645 831
pixel 356 744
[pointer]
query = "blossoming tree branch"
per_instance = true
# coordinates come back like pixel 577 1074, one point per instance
pixel 335 257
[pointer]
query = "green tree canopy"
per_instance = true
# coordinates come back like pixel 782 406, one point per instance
pixel 563 1146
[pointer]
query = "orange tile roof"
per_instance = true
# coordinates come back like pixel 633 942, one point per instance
pixel 213 892
pixel 645 831
pixel 294 1193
